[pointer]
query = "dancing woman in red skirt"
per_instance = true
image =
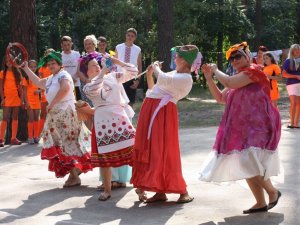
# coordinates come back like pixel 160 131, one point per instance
pixel 156 160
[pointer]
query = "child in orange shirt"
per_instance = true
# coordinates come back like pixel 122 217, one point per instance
pixel 11 95
pixel 273 72
pixel 33 105
pixel 43 72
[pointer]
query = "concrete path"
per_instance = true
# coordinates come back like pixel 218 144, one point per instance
pixel 29 194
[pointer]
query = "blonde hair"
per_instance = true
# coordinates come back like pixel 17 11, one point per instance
pixel 290 55
pixel 92 38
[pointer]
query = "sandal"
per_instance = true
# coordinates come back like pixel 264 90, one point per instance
pixel 78 171
pixel 114 185
pixel 68 184
pixel 158 197
pixel 290 126
pixel 15 141
pixel 185 199
pixel 142 195
pixel 100 187
pixel 104 196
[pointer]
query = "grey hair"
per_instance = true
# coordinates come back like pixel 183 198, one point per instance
pixel 92 38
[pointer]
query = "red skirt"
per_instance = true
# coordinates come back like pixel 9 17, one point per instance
pixel 116 158
pixel 62 164
pixel 157 162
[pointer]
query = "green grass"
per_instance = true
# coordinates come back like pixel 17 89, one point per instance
pixel 197 110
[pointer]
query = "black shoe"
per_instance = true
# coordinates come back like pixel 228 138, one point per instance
pixel 272 204
pixel 290 126
pixel 262 209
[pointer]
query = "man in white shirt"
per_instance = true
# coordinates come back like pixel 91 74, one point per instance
pixel 70 59
pixel 130 53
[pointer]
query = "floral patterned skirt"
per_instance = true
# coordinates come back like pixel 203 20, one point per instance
pixel 66 142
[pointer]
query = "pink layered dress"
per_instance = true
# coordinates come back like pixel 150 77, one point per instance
pixel 248 135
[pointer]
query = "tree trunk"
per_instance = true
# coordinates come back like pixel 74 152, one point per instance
pixel 165 31
pixel 23 30
pixel 220 36
pixel 23 25
pixel 298 22
pixel 258 22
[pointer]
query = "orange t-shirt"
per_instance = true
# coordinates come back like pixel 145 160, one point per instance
pixel 273 70
pixel 33 99
pixel 44 72
pixel 10 91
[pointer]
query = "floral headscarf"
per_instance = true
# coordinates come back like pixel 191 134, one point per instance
pixel 243 48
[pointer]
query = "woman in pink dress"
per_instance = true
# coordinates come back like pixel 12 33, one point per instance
pixel 249 132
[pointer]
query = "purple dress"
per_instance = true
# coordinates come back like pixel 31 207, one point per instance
pixel 248 135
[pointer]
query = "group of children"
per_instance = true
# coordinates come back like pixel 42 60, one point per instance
pixel 17 91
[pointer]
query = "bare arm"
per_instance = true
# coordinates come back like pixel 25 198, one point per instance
pixel 25 99
pixel 232 82
pixel 139 62
pixel 1 91
pixel 277 77
pixel 288 75
pixel 213 88
pixel 40 83
pixel 149 75
pixel 87 110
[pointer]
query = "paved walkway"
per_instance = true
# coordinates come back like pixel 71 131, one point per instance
pixel 31 195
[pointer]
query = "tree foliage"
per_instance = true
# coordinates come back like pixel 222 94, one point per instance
pixel 201 22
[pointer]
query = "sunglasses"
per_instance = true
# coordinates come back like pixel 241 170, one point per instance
pixel 235 57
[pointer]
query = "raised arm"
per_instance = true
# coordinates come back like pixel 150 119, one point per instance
pixel 149 76
pixel 129 71
pixel 40 83
pixel 213 88
pixel 233 82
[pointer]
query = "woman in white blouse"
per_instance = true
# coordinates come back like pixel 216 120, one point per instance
pixel 113 133
pixel 65 143
pixel 156 158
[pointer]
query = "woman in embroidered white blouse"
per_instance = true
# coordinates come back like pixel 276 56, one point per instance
pixel 113 133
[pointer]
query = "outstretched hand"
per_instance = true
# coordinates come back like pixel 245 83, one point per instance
pixel 24 65
pixel 209 70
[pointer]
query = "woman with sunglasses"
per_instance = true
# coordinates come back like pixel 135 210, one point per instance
pixel 249 132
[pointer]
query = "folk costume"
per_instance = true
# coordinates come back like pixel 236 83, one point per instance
pixel 66 143
pixel 113 133
pixel 249 132
pixel 156 158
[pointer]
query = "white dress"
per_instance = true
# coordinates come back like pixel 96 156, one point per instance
pixel 113 133
pixel 66 142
